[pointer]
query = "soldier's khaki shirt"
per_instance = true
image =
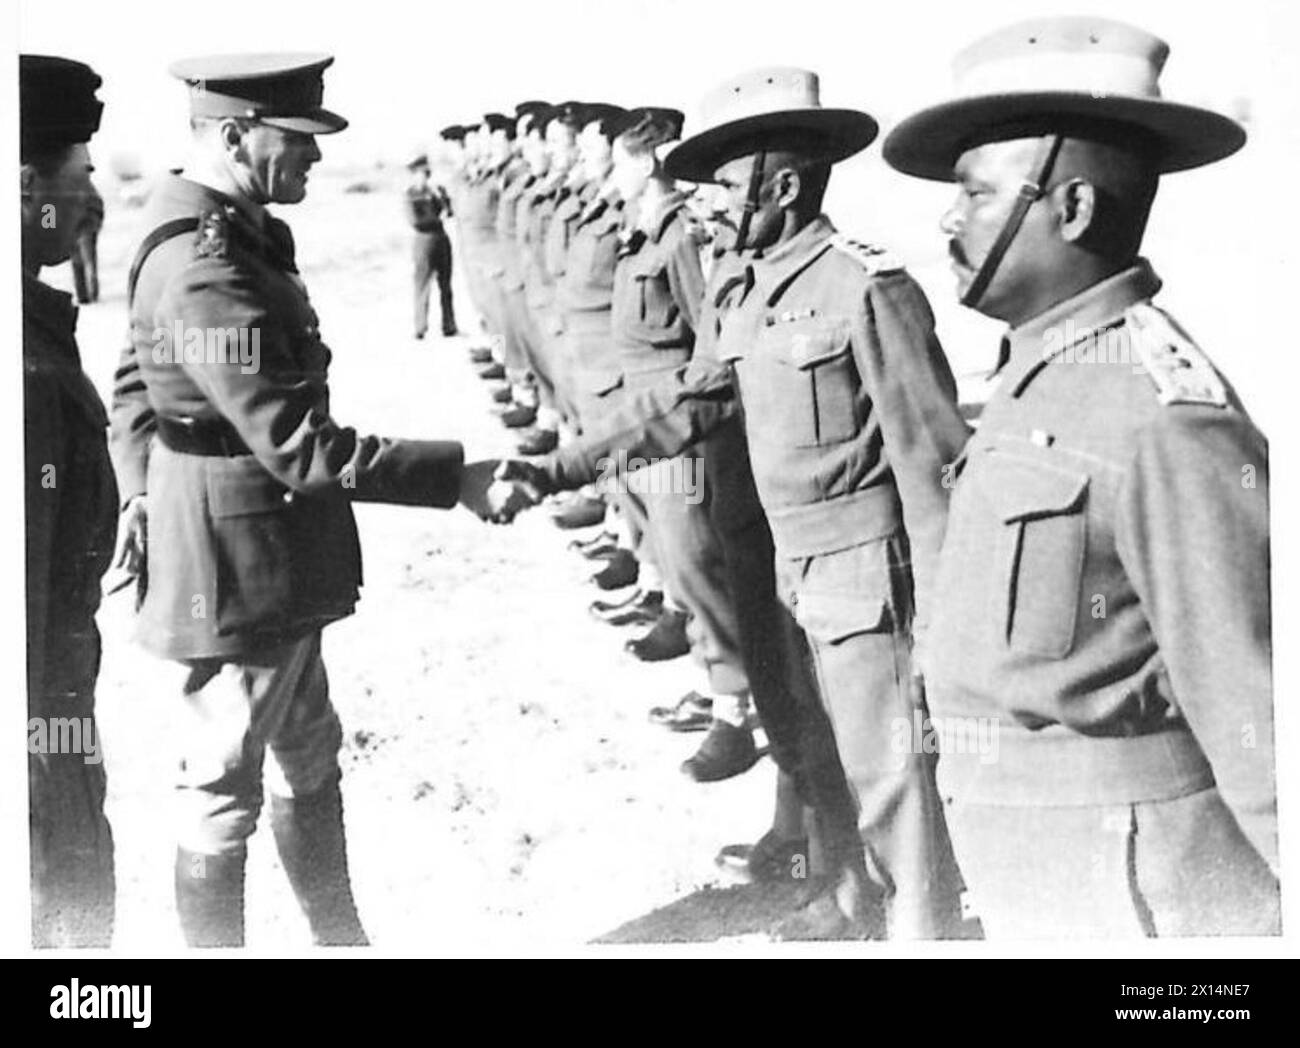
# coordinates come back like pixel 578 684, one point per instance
pixel 1104 574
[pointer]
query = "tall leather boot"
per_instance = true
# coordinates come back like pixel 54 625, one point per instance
pixel 210 897
pixel 309 834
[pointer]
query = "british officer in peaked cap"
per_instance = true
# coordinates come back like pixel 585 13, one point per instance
pixel 70 503
pixel 1105 574
pixel 222 420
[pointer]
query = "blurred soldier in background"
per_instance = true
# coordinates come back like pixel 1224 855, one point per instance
pixel 430 247
pixel 70 503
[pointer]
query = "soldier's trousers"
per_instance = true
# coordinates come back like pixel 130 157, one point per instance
pixel 431 253
pixel 1098 865
pixel 231 713
pixel 72 879
pixel 853 622
pixel 673 496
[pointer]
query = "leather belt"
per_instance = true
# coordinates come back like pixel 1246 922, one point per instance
pixel 211 437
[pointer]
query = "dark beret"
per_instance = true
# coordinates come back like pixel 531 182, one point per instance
pixel 453 133
pixel 607 115
pixel 57 103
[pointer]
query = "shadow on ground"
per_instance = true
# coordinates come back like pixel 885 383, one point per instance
pixel 711 914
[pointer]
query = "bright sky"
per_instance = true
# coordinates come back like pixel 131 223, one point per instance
pixel 405 69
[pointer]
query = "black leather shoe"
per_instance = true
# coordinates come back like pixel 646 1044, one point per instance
pixel 501 393
pixel 666 640
pixel 621 570
pixel 769 859
pixel 517 416
pixel 643 607
pixel 538 442
pixel 449 330
pixel 601 538
pixel 580 512
pixel 727 751
pixel 693 712
pixel 493 370
pixel 480 355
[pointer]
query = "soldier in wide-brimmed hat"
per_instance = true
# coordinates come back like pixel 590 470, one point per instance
pixel 1106 567
pixel 850 412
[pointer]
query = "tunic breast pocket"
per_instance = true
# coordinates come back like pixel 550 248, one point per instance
pixel 657 310
pixel 1040 554
pixel 819 387
pixel 249 514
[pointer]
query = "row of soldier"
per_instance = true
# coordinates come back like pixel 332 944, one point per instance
pixel 862 568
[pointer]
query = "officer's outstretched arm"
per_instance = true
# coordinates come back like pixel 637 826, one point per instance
pixel 656 423
pixel 283 414
pixel 1192 532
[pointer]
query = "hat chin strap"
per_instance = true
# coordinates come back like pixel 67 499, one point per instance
pixel 751 200
pixel 1030 191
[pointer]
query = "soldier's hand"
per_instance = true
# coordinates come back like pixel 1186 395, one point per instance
pixel 132 536
pixel 493 498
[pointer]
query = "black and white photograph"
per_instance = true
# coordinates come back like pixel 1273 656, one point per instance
pixel 652 478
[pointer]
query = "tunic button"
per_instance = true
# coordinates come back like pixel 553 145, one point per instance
pixel 287 497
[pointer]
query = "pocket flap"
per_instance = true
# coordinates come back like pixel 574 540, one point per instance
pixel 808 344
pixel 602 382
pixel 240 492
pixel 833 617
pixel 1028 490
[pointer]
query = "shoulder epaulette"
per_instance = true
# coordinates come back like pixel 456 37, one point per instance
pixel 1181 372
pixel 876 260
pixel 213 237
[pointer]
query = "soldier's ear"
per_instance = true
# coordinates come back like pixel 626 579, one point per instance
pixel 231 133
pixel 1076 209
pixel 787 186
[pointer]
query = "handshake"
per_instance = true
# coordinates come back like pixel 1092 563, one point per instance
pixel 497 490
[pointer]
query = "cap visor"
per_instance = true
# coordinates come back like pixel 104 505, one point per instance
pixel 843 132
pixel 318 122
pixel 927 144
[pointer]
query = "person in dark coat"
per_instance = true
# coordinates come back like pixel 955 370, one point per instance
pixel 70 503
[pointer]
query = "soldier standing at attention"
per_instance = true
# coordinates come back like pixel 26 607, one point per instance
pixel 1105 574
pixel 430 247
pixel 70 502
pixel 252 545
pixel 850 416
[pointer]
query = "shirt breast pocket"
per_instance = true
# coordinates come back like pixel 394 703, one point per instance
pixel 822 383
pixel 1040 554
pixel 656 308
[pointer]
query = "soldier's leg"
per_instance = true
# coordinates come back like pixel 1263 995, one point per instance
pixel 860 650
pixel 229 711
pixel 422 248
pixel 72 885
pixel 307 808
pixel 442 270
